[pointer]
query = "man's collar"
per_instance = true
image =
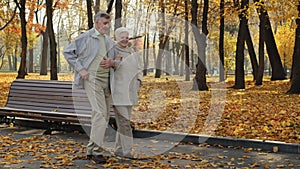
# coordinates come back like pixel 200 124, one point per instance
pixel 97 33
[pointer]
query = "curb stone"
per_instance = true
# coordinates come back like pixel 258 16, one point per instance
pixel 265 145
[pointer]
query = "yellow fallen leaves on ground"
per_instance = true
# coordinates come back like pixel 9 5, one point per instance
pixel 168 104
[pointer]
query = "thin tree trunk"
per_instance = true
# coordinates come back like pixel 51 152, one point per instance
pixel 162 41
pixel 22 68
pixel 15 58
pixel 89 13
pixel 44 56
pixel 10 65
pixel 109 7
pixel 144 55
pixel 192 66
pixel 1 62
pixel 146 43
pixel 252 53
pixel 154 51
pixel 221 42
pixel 30 67
pixel 97 6
pixel 261 47
pixel 118 12
pixel 177 51
pixel 53 52
pixel 147 53
pixel 168 59
pixel 181 60
pixel 186 42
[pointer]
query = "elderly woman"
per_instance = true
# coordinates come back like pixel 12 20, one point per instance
pixel 126 81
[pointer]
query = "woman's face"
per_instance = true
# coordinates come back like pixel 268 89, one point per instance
pixel 122 39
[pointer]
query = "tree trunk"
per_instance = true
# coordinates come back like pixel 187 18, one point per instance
pixel 239 69
pixel 146 43
pixel 160 55
pixel 53 52
pixel 118 11
pixel 10 64
pixel 154 51
pixel 109 7
pixel 30 67
pixel 97 6
pixel 1 62
pixel 168 60
pixel 44 56
pixel 181 60
pixel 22 68
pixel 144 55
pixel 252 54
pixel 276 64
pixel 186 42
pixel 177 57
pixel 221 42
pixel 15 58
pixel 162 41
pixel 89 13
pixel 199 82
pixel 295 86
pixel 261 47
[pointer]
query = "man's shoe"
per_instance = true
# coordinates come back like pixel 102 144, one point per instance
pixel 130 156
pixel 99 159
pixel 89 157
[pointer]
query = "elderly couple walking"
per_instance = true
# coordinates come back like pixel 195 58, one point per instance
pixel 110 73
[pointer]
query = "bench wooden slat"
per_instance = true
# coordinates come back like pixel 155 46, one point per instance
pixel 33 88
pixel 45 116
pixel 44 85
pixel 48 92
pixel 55 101
pixel 58 113
pixel 35 82
pixel 53 109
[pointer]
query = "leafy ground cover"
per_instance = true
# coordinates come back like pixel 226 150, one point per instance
pixel 168 104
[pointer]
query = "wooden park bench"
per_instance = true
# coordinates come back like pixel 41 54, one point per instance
pixel 51 102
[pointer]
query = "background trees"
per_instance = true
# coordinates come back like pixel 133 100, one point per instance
pixel 167 31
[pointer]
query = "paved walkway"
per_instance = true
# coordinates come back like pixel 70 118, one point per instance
pixel 29 148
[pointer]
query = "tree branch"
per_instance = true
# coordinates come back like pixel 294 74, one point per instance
pixel 12 17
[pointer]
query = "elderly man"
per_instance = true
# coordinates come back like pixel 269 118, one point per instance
pixel 92 56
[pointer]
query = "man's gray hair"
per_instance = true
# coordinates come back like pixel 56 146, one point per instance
pixel 100 15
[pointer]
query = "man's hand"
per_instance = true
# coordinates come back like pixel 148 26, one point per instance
pixel 84 74
pixel 107 63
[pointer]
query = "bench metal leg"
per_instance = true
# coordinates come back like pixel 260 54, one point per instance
pixel 5 119
pixel 53 126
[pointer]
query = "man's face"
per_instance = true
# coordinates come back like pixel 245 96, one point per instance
pixel 102 25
